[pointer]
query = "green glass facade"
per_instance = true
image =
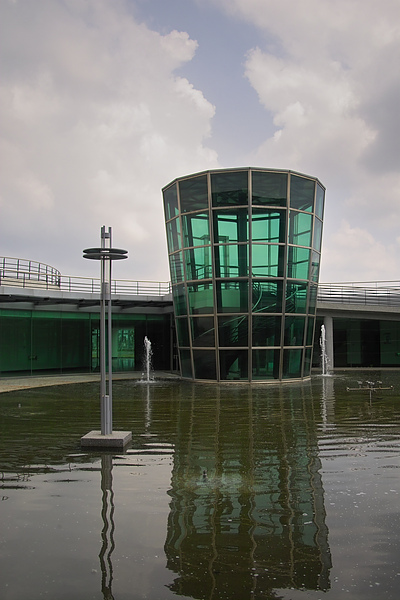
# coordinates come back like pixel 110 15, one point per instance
pixel 39 341
pixel 244 252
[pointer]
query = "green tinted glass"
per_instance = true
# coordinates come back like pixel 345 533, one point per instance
pixel 319 202
pixel 203 332
pixel 179 299
pixel 196 229
pixel 201 299
pixel 232 296
pixel 233 331
pixel 296 297
pixel 186 363
pixel 315 260
pixel 267 296
pixel 265 364
pixel 294 330
pixel 310 331
pixel 193 193
pixel 307 362
pixel 233 364
pixel 300 228
pixel 302 193
pixel 176 267
pixel 267 260
pixel 231 260
pixel 229 189
pixel 291 364
pixel 298 262
pixel 204 364
pixel 269 188
pixel 173 235
pixel 198 263
pixel 170 202
pixel 317 235
pixel 268 226
pixel 231 226
pixel 182 332
pixel 312 302
pixel 266 330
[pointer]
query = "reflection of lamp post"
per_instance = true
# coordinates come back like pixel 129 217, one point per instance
pixel 107 533
pixel 106 254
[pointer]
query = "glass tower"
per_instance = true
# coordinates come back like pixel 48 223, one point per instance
pixel 244 250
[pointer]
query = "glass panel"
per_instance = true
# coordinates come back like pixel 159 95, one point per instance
pixel 193 193
pixel 267 260
pixel 291 364
pixel 310 331
pixel 231 261
pixel 176 267
pixel 198 263
pixel 196 230
pixel 203 332
pixel 267 296
pixel 201 298
pixel 296 297
pixel 266 364
pixel 186 363
pixel 300 228
pixel 229 189
pixel 179 300
pixel 301 193
pixel 312 303
pixel 233 364
pixel 269 188
pixel 319 202
pixel 317 235
pixel 173 235
pixel 298 262
pixel 315 259
pixel 182 332
pixel 294 331
pixel 268 226
pixel 266 330
pixel 170 202
pixel 204 364
pixel 233 331
pixel 233 296
pixel 231 226
pixel 307 362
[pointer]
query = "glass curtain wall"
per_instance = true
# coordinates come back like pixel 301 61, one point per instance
pixel 38 341
pixel 244 250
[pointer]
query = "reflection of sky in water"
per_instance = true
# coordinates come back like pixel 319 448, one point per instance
pixel 226 492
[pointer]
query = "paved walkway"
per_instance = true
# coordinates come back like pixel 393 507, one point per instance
pixel 9 384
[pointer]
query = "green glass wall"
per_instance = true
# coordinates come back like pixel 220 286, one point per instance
pixel 244 249
pixel 58 342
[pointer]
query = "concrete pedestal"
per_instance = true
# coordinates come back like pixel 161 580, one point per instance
pixel 116 439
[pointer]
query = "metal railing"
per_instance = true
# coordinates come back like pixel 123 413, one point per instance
pixel 369 293
pixel 122 287
pixel 25 272
pixel 18 272
pixel 31 274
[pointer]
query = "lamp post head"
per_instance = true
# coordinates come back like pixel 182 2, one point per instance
pixel 105 253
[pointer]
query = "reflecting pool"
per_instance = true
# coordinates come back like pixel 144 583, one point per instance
pixel 284 491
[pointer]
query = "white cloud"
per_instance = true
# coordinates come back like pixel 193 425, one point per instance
pixel 327 75
pixel 353 249
pixel 97 121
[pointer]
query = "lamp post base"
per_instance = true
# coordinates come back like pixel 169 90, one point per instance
pixel 116 439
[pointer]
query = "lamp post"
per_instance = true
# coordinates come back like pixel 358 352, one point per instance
pixel 106 254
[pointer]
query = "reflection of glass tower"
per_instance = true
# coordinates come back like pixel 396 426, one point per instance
pixel 244 249
pixel 247 510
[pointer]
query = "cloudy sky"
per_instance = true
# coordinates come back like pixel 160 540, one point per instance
pixel 103 102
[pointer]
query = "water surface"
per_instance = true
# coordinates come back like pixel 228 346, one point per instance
pixel 279 491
